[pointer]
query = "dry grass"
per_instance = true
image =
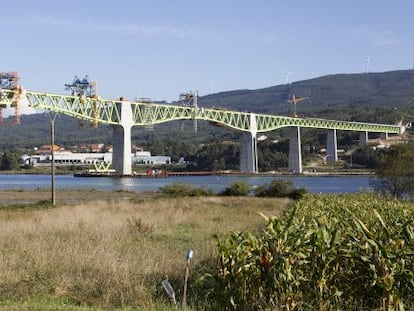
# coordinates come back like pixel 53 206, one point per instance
pixel 115 253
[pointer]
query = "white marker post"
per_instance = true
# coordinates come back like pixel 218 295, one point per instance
pixel 189 258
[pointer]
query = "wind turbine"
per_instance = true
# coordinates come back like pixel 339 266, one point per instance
pixel 367 64
pixel 287 73
pixel 211 87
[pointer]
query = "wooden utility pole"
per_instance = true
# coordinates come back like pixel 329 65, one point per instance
pixel 52 118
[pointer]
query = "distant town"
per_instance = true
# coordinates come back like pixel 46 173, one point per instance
pixel 88 154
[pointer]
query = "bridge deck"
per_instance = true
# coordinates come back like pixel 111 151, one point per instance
pixel 104 111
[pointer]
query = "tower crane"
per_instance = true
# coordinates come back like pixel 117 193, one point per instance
pixel 294 101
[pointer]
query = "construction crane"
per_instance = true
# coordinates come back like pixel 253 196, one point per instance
pixel 11 81
pixel 85 88
pixel 294 101
pixel 82 87
pixel 189 99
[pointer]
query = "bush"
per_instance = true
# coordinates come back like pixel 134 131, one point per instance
pixel 183 190
pixel 280 189
pixel 238 188
pixel 298 194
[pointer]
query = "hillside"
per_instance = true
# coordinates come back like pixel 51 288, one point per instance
pixel 373 97
pixel 393 89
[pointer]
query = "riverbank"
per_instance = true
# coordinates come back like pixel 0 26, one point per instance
pixel 67 197
pixel 115 254
pixel 215 183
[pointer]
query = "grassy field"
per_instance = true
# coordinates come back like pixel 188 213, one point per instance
pixel 101 251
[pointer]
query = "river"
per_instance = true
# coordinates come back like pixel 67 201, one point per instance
pixel 315 184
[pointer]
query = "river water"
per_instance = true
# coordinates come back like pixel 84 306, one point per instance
pixel 315 184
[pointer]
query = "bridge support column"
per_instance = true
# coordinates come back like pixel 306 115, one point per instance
pixel 248 154
pixel 363 138
pixel 331 147
pixel 121 156
pixel 295 152
pixel 248 150
pixel 384 136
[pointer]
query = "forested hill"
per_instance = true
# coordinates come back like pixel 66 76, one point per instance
pixel 367 97
pixel 386 89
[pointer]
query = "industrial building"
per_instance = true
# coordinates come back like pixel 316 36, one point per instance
pixel 81 159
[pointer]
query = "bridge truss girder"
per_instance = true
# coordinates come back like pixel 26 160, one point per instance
pixel 97 110
pixel 267 123
pixel 91 109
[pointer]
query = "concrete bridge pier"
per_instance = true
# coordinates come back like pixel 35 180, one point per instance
pixel 363 138
pixel 248 150
pixel 384 136
pixel 121 140
pixel 248 154
pixel 331 147
pixel 295 152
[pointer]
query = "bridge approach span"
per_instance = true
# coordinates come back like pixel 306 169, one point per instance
pixel 97 110
pixel 125 114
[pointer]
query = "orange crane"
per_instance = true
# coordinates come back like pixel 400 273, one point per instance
pixel 294 101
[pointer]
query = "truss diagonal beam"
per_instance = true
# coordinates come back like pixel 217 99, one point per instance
pixel 267 123
pixel 148 114
pixel 103 111
pixel 92 109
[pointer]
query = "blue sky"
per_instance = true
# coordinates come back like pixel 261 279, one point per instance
pixel 160 48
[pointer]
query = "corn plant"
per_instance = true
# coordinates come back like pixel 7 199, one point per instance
pixel 326 252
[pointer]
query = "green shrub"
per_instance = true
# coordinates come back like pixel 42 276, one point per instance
pixel 277 188
pixel 280 189
pixel 183 190
pixel 238 188
pixel 199 192
pixel 298 194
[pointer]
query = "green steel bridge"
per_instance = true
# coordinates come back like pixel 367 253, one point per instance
pixel 102 111
pixel 123 115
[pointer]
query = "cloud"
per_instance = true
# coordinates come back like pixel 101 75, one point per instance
pixel 142 30
pixel 374 36
pixel 89 26
pixel 383 38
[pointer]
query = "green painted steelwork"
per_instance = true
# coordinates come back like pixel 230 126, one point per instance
pixel 103 111
pixel 149 113
pixel 269 123
pixel 94 110
pixel 145 114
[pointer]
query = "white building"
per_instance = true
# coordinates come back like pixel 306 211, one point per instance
pixel 145 157
pixel 69 158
